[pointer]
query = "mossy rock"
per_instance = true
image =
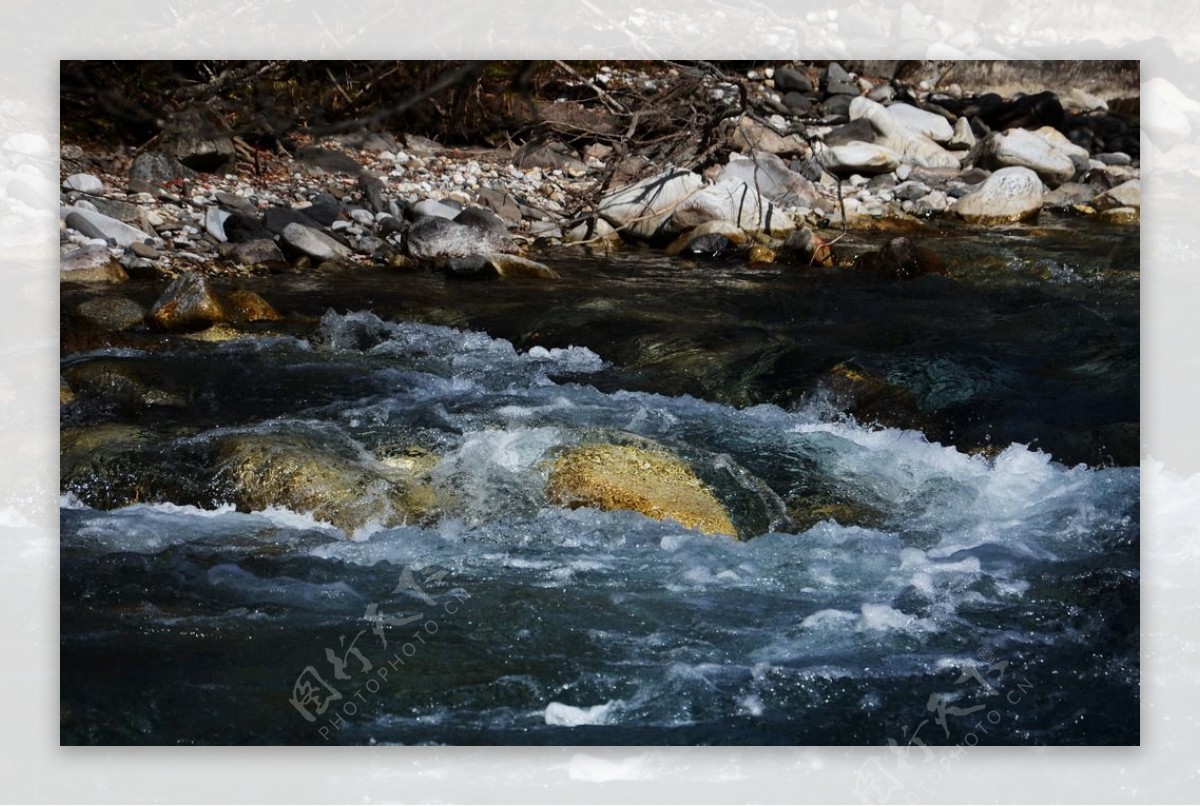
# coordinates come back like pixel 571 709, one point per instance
pixel 623 477
pixel 257 471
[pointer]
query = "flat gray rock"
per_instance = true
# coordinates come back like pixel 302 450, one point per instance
pixel 432 207
pixel 860 158
pixel 84 183
pixel 109 228
pixel 313 243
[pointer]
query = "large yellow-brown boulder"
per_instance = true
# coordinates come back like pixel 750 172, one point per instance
pixel 264 470
pixel 654 483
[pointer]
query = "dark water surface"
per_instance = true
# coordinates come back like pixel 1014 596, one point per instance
pixel 972 556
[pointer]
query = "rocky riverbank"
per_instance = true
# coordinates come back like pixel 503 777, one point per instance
pixel 810 151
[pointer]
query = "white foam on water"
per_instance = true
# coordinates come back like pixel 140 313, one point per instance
pixel 290 519
pixel 829 617
pixel 570 716
pixel 752 705
pixel 69 500
pixel 453 352
pixel 11 518
pixel 585 767
pixel 881 617
pixel 151 528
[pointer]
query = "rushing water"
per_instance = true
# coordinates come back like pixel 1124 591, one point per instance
pixel 890 582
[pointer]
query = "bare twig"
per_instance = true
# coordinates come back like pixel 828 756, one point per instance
pixel 608 100
pixel 337 86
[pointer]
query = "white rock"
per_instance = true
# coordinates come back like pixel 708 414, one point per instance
pixel 1126 194
pixel 914 146
pixel 84 183
pixel 964 137
pixel 601 230
pixel 364 217
pixel 1076 98
pixel 1182 158
pixel 729 201
pixel 642 208
pixel 1009 194
pixel 771 176
pixel 1059 142
pixel 935 202
pixel 214 223
pixel 1167 115
pixel 29 145
pixel 935 127
pixel 1023 149
pixel 859 157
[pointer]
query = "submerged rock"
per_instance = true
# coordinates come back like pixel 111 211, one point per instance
pixel 901 259
pixel 654 483
pixel 122 383
pixel 488 267
pixel 111 313
pixel 248 306
pixel 714 239
pixel 113 465
pixel 189 303
pixel 1127 194
pixel 809 247
pixel 515 266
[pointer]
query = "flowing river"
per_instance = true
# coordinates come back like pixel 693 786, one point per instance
pixel 960 569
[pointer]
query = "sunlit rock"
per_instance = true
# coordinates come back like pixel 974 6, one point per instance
pixel 654 483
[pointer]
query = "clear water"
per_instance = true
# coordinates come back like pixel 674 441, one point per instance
pixel 186 621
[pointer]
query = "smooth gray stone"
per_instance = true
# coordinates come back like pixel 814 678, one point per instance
pixel 84 183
